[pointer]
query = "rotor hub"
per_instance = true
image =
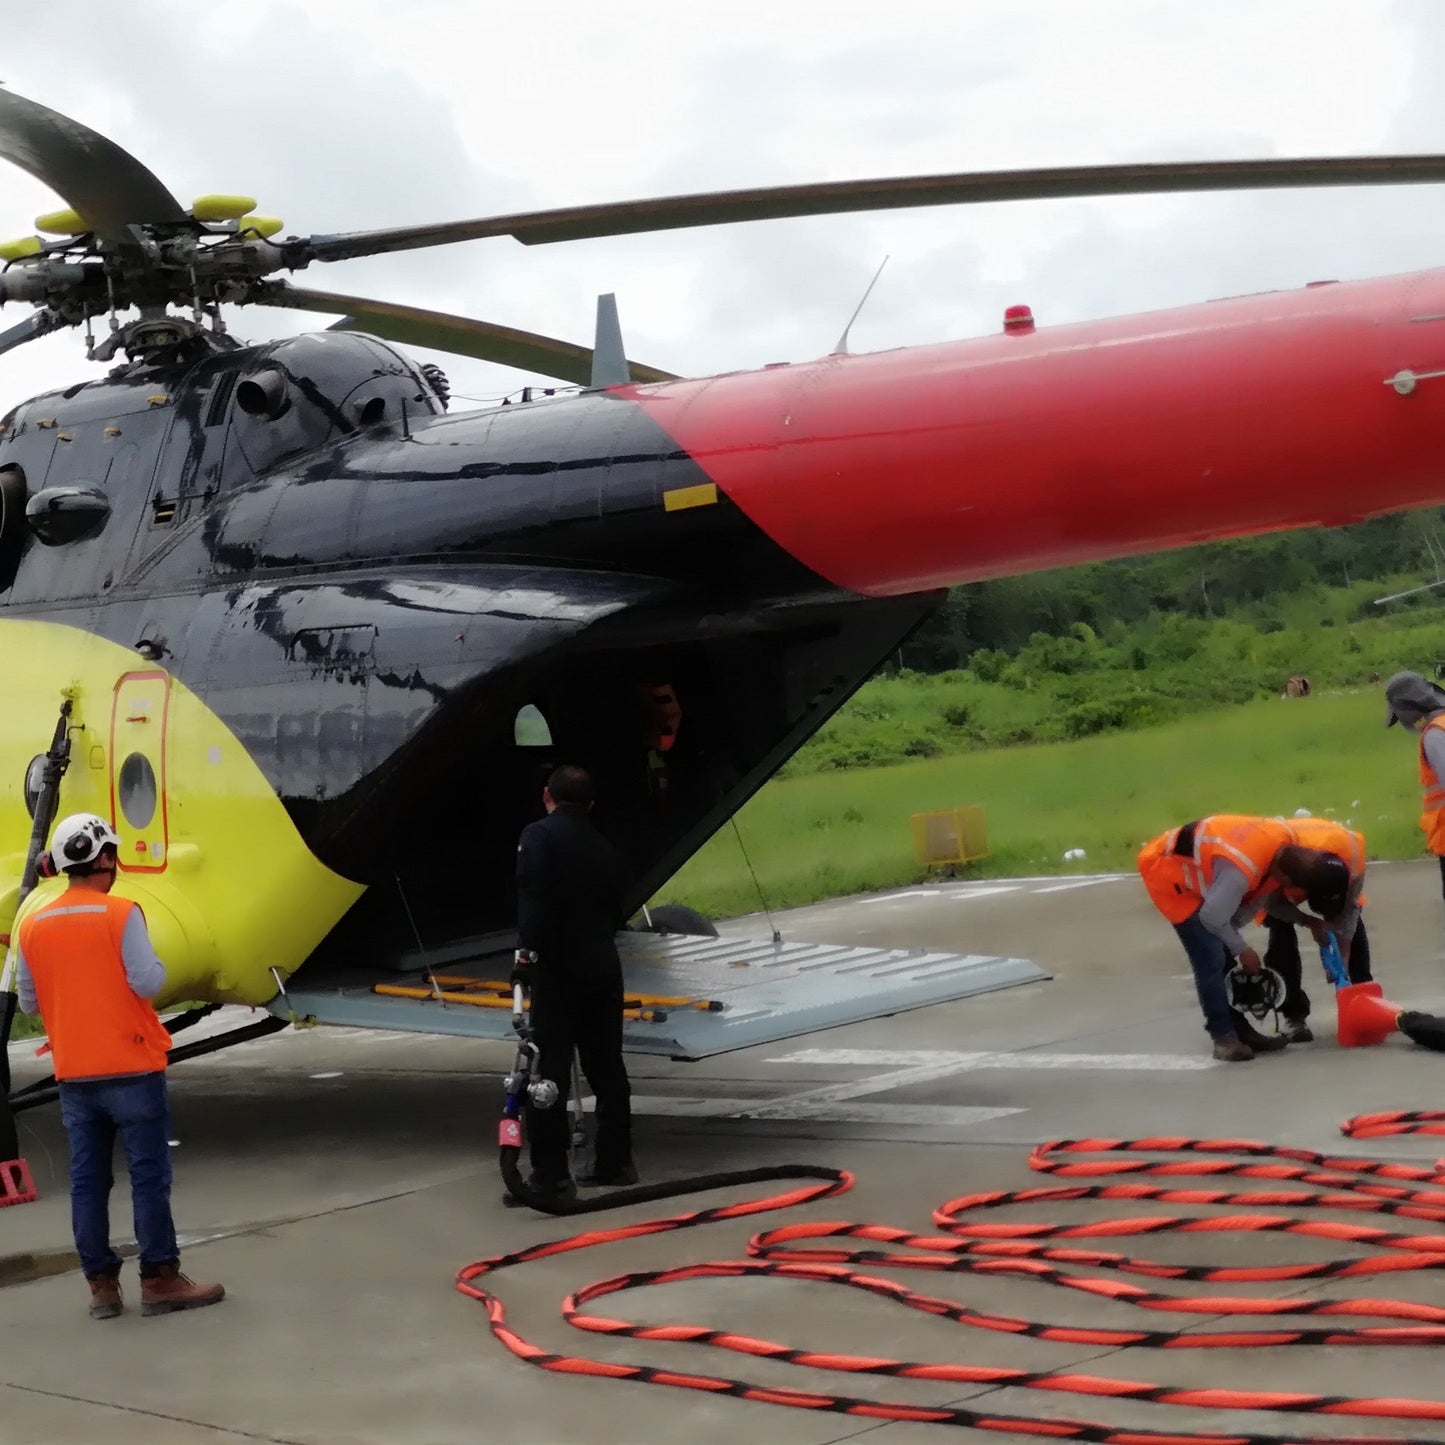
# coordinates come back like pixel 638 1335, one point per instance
pixel 83 276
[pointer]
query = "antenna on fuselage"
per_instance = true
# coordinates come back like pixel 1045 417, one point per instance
pixel 841 349
pixel 609 359
pixel 1437 556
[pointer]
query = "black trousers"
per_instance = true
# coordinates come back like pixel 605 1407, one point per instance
pixel 1283 956
pixel 589 1020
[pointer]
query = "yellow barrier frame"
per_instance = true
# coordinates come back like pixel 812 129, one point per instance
pixel 950 836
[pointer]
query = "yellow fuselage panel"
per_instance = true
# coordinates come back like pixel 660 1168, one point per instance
pixel 229 889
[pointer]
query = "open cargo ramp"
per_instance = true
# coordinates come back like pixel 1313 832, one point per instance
pixel 761 991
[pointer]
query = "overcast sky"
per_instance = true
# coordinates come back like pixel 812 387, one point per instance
pixel 349 114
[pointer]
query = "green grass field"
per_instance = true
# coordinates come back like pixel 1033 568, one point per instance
pixel 842 832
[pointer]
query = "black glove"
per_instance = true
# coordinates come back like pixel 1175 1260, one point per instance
pixel 523 962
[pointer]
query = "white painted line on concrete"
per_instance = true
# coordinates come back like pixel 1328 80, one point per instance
pixel 1054 877
pixel 837 1103
pixel 939 1068
pixel 1066 887
pixel 971 890
pixel 678 1108
pixel 947 1062
pixel 897 1058
pixel 1116 1063
pixel 945 1116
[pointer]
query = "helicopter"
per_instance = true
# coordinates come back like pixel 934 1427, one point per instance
pixel 310 641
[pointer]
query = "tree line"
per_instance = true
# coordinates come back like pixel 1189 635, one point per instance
pixel 1260 580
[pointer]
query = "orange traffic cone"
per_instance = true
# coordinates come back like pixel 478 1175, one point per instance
pixel 1365 1015
pixel 16 1185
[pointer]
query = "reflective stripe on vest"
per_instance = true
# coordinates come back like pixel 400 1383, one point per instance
pixel 1177 883
pixel 97 1025
pixel 1242 860
pixel 1249 843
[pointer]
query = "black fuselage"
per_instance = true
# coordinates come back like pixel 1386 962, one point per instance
pixel 407 619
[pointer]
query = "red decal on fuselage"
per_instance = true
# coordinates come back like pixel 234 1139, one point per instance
pixel 929 466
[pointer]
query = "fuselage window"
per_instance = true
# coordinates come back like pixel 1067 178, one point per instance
pixel 34 780
pixel 530 729
pixel 137 789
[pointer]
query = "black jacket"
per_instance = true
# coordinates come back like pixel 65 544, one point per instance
pixel 570 886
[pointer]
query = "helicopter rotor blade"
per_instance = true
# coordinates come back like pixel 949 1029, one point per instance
pixel 460 335
pixel 835 197
pixel 36 324
pixel 106 185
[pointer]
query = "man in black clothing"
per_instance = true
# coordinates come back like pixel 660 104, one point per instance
pixel 570 887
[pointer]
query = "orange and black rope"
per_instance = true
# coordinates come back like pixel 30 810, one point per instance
pixel 816 1252
pixel 1369 1126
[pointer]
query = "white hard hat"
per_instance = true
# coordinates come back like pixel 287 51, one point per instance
pixel 79 838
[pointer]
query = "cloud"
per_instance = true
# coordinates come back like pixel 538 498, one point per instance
pixel 349 116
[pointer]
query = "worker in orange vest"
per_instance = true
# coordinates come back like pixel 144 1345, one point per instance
pixel 1338 909
pixel 86 965
pixel 1207 878
pixel 1420 705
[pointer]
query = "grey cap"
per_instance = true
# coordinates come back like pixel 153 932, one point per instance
pixel 1409 697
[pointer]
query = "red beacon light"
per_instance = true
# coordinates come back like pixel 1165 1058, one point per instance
pixel 1018 321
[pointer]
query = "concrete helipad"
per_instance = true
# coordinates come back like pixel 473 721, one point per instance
pixel 335 1181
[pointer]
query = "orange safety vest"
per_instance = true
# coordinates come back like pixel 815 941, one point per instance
pixel 1330 837
pixel 1346 844
pixel 1432 819
pixel 97 1026
pixel 1178 881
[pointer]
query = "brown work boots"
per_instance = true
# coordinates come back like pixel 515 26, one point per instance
pixel 170 1290
pixel 160 1293
pixel 1232 1051
pixel 105 1301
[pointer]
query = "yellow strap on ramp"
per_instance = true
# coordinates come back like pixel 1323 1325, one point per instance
pixel 486 995
pixel 636 1000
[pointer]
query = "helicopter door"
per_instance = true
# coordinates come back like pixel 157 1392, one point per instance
pixel 138 770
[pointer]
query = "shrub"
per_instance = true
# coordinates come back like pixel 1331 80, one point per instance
pixel 1086 718
pixel 987 665
pixel 922 747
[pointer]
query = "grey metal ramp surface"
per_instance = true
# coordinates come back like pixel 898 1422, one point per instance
pixel 772 991
pixel 768 992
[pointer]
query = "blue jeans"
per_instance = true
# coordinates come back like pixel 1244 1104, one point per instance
pixel 1210 960
pixel 137 1108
